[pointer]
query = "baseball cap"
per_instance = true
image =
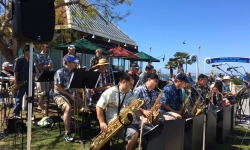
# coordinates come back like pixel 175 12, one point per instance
pixel 153 76
pixel 135 65
pixel 6 64
pixel 182 77
pixel 71 47
pixel 71 58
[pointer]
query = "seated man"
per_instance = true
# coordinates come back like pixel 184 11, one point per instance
pixel 7 72
pixel 171 101
pixel 147 93
pixel 114 100
pixel 63 95
pixel 225 86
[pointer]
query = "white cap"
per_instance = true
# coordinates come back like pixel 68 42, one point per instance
pixel 71 47
pixel 6 64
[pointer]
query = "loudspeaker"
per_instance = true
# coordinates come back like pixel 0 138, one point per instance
pixel 33 20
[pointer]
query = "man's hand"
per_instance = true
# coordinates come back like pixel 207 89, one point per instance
pixel 145 121
pixel 158 105
pixel 16 84
pixel 147 113
pixel 72 97
pixel 104 127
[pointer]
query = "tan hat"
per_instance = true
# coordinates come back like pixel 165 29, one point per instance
pixel 226 78
pixel 101 62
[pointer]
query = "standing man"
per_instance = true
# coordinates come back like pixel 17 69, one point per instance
pixel 63 95
pixel 143 76
pixel 94 60
pixel 245 79
pixel 43 63
pixel 21 73
pixel 171 100
pixel 72 51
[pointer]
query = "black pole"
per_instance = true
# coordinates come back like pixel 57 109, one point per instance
pixel 186 64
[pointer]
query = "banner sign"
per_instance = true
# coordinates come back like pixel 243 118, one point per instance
pixel 227 59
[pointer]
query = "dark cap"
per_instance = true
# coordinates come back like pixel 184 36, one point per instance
pixel 135 65
pixel 153 76
pixel 181 77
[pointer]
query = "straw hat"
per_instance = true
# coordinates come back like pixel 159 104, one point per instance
pixel 101 62
pixel 226 78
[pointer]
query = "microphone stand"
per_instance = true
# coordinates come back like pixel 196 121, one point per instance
pixel 204 113
pixel 223 71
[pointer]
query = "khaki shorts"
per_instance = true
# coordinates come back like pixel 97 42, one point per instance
pixel 63 102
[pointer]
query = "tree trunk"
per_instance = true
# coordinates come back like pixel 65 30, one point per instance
pixel 171 72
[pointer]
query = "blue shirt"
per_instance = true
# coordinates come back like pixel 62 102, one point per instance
pixel 21 65
pixel 171 97
pixel 246 80
pixel 148 97
pixel 62 77
pixel 225 88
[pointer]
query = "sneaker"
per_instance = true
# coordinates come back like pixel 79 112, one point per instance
pixel 17 116
pixel 68 137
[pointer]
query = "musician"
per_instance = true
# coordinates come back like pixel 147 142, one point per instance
pixel 63 95
pixel 148 94
pixel 94 60
pixel 225 86
pixel 143 76
pixel 134 71
pixel 201 84
pixel 72 51
pixel 110 101
pixel 21 73
pixel 7 72
pixel 43 62
pixel 171 101
pixel 245 79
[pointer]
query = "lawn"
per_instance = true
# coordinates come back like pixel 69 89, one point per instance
pixel 47 139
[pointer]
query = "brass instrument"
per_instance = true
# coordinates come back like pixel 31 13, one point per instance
pixel 13 87
pixel 114 126
pixel 197 105
pixel 84 109
pixel 184 109
pixel 154 109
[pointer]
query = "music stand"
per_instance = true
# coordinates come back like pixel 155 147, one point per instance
pixel 83 79
pixel 46 76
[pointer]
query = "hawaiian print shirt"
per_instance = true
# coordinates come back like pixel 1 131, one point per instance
pixel 149 97
pixel 41 60
pixel 62 77
pixel 194 95
pixel 93 61
pixel 171 97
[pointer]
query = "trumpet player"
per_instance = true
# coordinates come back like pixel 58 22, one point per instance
pixel 21 73
pixel 171 100
pixel 63 95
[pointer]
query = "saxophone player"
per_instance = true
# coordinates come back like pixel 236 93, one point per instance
pixel 113 101
pixel 21 73
pixel 148 94
pixel 171 101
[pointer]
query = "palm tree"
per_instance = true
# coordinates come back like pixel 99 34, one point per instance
pixel 171 65
pixel 185 59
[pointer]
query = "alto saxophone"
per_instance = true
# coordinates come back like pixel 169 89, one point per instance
pixel 13 87
pixel 154 109
pixel 114 126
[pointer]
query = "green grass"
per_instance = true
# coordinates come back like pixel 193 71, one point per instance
pixel 46 139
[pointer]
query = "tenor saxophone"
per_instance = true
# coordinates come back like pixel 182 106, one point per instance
pixel 184 109
pixel 154 109
pixel 13 87
pixel 114 126
pixel 197 108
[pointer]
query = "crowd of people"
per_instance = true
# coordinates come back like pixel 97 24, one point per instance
pixel 181 97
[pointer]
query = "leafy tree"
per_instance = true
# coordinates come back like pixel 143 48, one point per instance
pixel 9 46
pixel 171 65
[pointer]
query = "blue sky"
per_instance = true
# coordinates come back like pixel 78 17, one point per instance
pixel 220 27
